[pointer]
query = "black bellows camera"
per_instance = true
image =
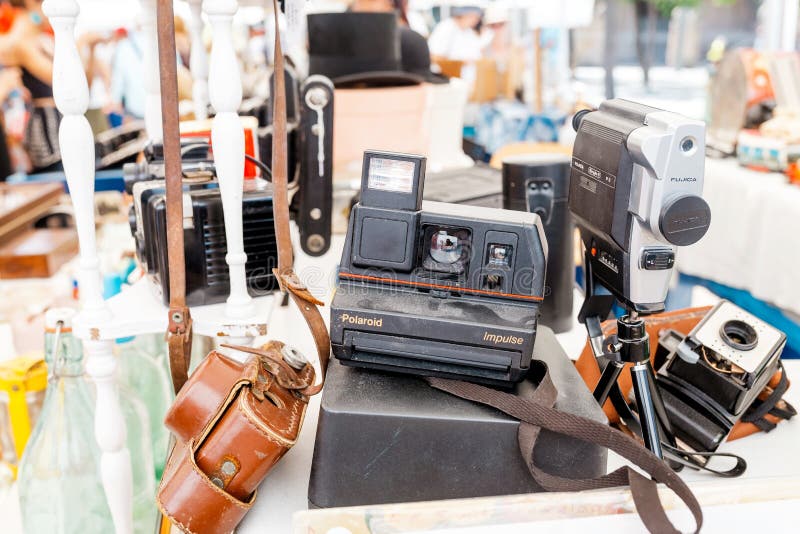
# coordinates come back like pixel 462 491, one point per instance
pixel 436 289
pixel 712 377
pixel 207 276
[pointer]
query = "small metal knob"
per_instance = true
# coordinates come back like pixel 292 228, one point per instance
pixel 315 243
pixel 294 357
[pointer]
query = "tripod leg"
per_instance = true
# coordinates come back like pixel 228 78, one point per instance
pixel 607 381
pixel 658 404
pixel 640 374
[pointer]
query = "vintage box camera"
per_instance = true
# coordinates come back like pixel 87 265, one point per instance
pixel 712 376
pixel 205 244
pixel 436 289
pixel 207 278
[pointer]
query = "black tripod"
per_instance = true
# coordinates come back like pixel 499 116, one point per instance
pixel 630 345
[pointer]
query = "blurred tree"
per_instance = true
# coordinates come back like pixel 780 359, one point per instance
pixel 647 12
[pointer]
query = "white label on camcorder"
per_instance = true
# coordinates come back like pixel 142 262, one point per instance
pixel 391 175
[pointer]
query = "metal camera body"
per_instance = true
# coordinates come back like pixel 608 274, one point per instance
pixel 715 373
pixel 205 242
pixel 635 192
pixel 436 289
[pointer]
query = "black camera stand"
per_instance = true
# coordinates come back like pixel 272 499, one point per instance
pixel 631 345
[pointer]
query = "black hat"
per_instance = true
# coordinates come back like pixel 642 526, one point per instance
pixel 416 56
pixel 357 49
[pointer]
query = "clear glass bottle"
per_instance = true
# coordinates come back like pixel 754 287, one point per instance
pixel 142 368
pixel 140 446
pixel 60 490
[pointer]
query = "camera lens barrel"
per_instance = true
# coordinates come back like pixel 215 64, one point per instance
pixel 739 335
pixel 685 220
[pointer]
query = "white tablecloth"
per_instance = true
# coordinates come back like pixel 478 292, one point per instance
pixel 754 236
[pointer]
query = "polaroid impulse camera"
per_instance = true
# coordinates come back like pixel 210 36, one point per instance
pixel 714 375
pixel 635 193
pixel 436 289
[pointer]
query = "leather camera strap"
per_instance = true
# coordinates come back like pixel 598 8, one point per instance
pixel 180 322
pixel 288 280
pixel 537 412
pixel 179 334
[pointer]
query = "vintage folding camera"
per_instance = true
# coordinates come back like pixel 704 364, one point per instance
pixel 436 289
pixel 205 244
pixel 713 375
pixel 309 109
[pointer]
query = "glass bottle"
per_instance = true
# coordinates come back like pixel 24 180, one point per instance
pixel 143 370
pixel 60 490
pixel 140 446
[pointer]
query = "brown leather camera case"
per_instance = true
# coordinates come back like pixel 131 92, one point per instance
pixel 229 437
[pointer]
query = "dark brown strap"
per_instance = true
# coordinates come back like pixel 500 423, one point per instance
pixel 179 335
pixel 287 278
pixel 758 411
pixel 537 412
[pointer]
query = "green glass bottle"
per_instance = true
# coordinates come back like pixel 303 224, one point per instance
pixel 60 490
pixel 143 369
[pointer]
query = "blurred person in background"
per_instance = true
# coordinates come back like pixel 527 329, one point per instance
pixel 495 35
pixel 10 81
pixel 456 38
pixel 28 45
pixel 127 75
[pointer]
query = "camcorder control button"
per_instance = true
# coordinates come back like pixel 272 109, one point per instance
pixel 658 259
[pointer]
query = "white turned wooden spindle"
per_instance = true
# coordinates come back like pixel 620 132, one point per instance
pixel 227 137
pixel 198 61
pixel 152 109
pixel 110 432
pixel 71 93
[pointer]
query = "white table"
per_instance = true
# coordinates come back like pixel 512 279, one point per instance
pixel 285 489
pixel 752 241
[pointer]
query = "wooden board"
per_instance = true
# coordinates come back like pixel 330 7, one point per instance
pixel 37 253
pixel 22 204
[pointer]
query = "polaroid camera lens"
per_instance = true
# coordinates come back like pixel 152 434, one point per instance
pixel 445 248
pixel 739 335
